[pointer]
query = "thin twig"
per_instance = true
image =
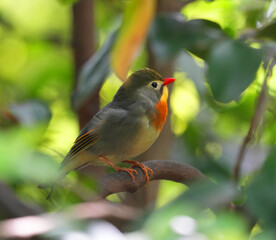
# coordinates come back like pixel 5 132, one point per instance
pixel 258 115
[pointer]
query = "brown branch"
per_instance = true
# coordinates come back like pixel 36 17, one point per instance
pixel 118 215
pixel 162 169
pixel 258 115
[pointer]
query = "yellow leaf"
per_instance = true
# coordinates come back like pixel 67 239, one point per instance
pixel 133 31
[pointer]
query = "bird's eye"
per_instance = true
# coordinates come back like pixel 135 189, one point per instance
pixel 154 84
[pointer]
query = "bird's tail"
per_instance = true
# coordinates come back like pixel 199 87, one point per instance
pixel 48 186
pixel 66 166
pixel 51 186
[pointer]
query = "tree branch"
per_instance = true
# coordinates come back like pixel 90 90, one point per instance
pixel 256 119
pixel 162 169
pixel 116 214
pixel 30 226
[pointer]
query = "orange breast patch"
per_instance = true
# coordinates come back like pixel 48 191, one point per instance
pixel 159 118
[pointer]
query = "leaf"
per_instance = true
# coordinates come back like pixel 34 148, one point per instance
pixel 186 63
pixel 93 73
pixel 232 67
pixel 268 31
pixel 193 204
pixel 261 192
pixel 133 31
pixel 171 32
pixel 20 161
pixel 30 113
pixel 210 195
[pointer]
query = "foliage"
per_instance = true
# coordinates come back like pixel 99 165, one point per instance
pixel 134 28
pixel 93 73
pixel 222 51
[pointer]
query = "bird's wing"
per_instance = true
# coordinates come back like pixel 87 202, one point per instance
pixel 87 138
pixel 83 142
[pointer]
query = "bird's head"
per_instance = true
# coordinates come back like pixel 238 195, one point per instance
pixel 149 84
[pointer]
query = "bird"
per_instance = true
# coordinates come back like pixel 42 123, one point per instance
pixel 124 128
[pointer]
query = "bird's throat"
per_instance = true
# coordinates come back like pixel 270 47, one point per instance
pixel 165 94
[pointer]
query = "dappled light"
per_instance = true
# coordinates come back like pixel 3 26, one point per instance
pixel 185 93
pixel 205 159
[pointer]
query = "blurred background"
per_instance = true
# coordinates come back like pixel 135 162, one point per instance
pixel 62 60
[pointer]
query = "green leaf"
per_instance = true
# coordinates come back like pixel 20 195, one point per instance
pixel 20 160
pixel 265 235
pixel 268 31
pixel 232 67
pixel 93 73
pixel 210 195
pixel 171 32
pixel 261 193
pixel 136 22
pixel 186 63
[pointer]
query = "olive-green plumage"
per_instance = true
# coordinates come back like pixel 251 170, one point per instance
pixel 122 129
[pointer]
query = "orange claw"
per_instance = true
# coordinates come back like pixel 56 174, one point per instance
pixel 144 168
pixel 128 170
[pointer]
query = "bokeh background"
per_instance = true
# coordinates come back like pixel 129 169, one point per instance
pixel 59 63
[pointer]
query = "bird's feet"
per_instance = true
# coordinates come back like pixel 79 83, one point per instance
pixel 144 168
pixel 128 170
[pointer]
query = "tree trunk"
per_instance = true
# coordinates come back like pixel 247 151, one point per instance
pixel 83 49
pixel 146 196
